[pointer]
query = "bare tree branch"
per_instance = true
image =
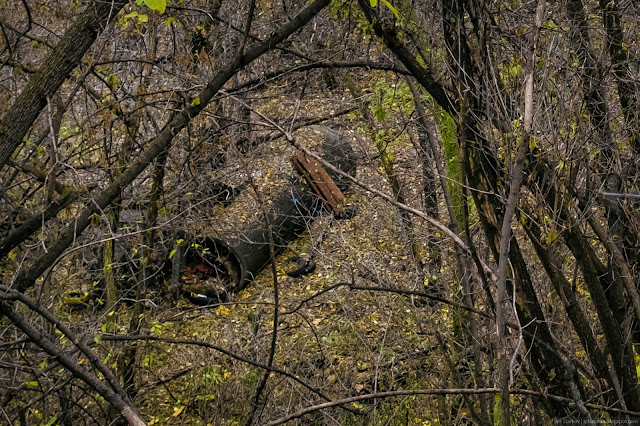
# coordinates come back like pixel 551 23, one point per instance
pixel 127 410
pixel 50 76
pixel 439 392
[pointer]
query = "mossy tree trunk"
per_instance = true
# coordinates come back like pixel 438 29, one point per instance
pixel 465 325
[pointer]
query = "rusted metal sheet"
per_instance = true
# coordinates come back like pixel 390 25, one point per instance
pixel 319 181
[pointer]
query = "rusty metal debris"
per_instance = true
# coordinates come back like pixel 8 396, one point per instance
pixel 319 181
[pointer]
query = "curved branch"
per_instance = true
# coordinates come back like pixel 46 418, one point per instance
pixel 9 294
pixel 442 227
pixel 52 349
pixel 321 65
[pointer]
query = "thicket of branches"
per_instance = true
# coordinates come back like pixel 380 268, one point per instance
pixel 491 271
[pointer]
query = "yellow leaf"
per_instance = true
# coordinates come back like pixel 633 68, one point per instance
pixel 95 219
pixel 178 410
pixel 223 310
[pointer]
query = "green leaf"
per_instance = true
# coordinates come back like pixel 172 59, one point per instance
pixel 359 406
pixel 148 360
pixel 159 5
pixel 391 8
pixel 108 327
pixel 195 101
pixel 551 236
pixel 497 410
pixel 172 253
pixel 373 3
pixel 112 79
pixel 254 321
pixel 52 421
pixel 381 113
pixel 156 328
pixel 515 71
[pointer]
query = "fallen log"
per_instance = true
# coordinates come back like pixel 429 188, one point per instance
pixel 214 268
